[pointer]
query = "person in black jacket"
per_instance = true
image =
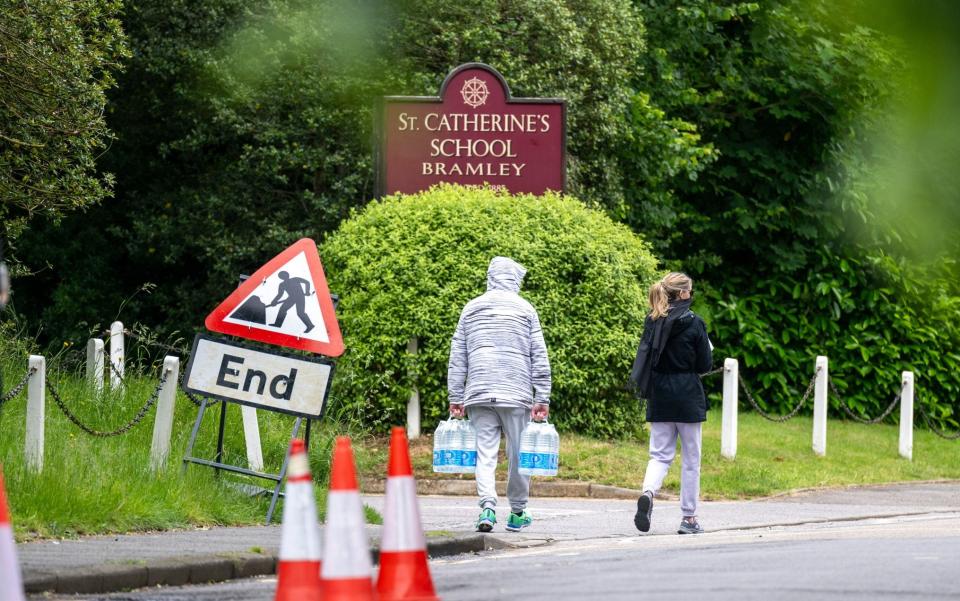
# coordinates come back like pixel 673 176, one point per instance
pixel 674 350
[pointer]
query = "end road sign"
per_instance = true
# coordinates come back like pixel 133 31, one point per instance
pixel 270 380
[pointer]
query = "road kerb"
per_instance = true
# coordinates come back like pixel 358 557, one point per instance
pixel 198 569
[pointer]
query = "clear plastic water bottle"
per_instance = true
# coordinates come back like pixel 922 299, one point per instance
pixel 451 452
pixel 528 449
pixel 468 446
pixel 549 445
pixel 439 439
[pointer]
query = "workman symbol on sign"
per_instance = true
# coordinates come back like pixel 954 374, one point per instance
pixel 294 279
pixel 297 291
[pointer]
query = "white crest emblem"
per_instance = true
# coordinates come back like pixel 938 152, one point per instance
pixel 474 92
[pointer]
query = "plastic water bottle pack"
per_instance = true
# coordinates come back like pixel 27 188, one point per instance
pixel 455 447
pixel 539 450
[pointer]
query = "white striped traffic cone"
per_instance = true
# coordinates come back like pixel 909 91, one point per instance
pixel 11 584
pixel 346 551
pixel 298 568
pixel 404 573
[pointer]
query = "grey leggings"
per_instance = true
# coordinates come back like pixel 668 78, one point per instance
pixel 663 448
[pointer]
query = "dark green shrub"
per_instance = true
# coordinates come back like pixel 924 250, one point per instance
pixel 406 265
pixel 873 318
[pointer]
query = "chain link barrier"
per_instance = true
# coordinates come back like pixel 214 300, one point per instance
pixel 120 376
pixel 9 395
pixel 711 372
pixel 852 415
pixel 191 396
pixel 154 343
pixel 167 347
pixel 779 418
pixel 941 433
pixel 122 429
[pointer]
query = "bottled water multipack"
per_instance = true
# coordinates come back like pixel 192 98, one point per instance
pixel 455 447
pixel 539 450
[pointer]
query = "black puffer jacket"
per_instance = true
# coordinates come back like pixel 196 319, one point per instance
pixel 676 391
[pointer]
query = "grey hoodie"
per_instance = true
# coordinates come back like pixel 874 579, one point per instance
pixel 498 351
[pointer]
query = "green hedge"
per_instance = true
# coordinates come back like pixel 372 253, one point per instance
pixel 873 318
pixel 406 265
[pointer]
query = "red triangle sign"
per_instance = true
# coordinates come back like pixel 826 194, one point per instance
pixel 286 302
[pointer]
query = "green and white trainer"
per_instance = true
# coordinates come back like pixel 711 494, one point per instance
pixel 487 519
pixel 516 523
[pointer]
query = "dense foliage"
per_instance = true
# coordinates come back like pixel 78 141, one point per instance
pixel 785 96
pixel 406 265
pixel 244 125
pixel 56 61
pixel 739 138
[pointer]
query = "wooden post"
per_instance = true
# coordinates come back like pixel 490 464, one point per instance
pixel 116 355
pixel 36 397
pixel 820 408
pixel 906 416
pixel 163 423
pixel 413 405
pixel 728 430
pixel 95 365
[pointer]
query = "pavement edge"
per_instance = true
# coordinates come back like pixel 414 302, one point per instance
pixel 219 567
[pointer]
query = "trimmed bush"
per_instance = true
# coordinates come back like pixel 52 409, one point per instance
pixel 406 265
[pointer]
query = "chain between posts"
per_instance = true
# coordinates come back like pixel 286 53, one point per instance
pixel 147 342
pixel 18 388
pixel 120 376
pixel 846 408
pixel 193 399
pixel 780 418
pixel 712 372
pixel 190 395
pixel 121 430
pixel 935 429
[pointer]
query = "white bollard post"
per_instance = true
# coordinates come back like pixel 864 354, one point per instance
pixel 251 434
pixel 413 405
pixel 36 398
pixel 116 355
pixel 906 416
pixel 820 408
pixel 95 365
pixel 163 423
pixel 728 430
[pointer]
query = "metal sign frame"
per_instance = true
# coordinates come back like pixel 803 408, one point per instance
pixel 217 463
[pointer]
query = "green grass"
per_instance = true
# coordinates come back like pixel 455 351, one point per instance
pixel 93 485
pixel 99 485
pixel 771 458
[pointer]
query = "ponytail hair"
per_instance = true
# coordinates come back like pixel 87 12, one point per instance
pixel 667 290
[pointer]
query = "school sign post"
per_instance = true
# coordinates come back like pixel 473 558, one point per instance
pixel 474 132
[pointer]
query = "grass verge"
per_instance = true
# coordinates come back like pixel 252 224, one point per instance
pixel 93 485
pixel 98 485
pixel 771 458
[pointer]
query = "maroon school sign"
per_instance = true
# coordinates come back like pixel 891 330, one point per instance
pixel 474 132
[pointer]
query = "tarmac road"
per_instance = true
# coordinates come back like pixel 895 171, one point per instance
pixel 900 542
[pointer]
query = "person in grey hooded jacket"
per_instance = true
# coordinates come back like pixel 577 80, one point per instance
pixel 499 375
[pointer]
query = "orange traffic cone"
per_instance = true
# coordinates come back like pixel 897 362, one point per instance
pixel 298 569
pixel 404 573
pixel 11 585
pixel 346 551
